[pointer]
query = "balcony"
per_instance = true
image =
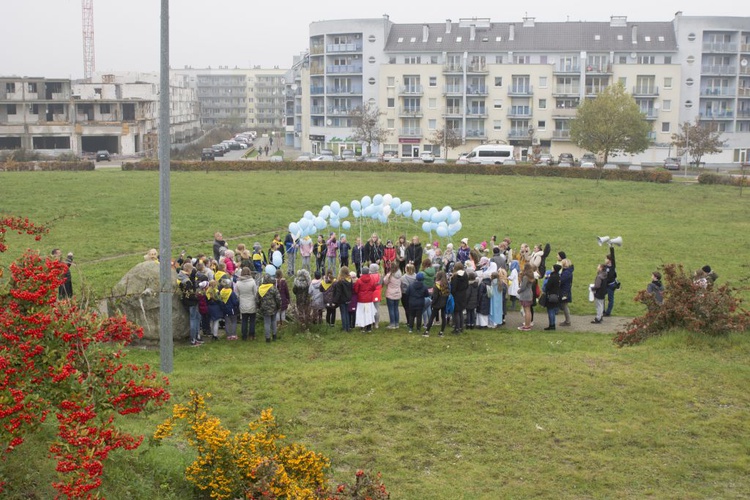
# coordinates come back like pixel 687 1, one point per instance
pixel 477 133
pixel 745 47
pixel 743 113
pixel 519 112
pixel 476 112
pixel 452 111
pixel 472 90
pixel 518 133
pixel 743 92
pixel 316 70
pixel 477 68
pixel 599 70
pixel 744 70
pixel 716 115
pixel 567 68
pixel 652 136
pixel 317 90
pixel 594 90
pixel 717 69
pixel 344 90
pixel 453 68
pixel 718 92
pixel 564 112
pixel 335 111
pixel 411 90
pixel 521 90
pixel 345 47
pixel 645 91
pixel 720 47
pixel 410 132
pixel 339 69
pixel 316 49
pixel 453 89
pixel 567 90
pixel 412 111
pixel 561 135
pixel 650 114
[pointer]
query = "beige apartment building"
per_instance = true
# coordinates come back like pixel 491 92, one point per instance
pixel 495 82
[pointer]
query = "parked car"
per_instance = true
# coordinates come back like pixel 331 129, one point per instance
pixel 276 158
pixel 207 154
pixel 390 155
pixel 510 161
pixel 218 150
pixel 564 164
pixel 328 152
pixel 545 159
pixel 588 164
pixel 610 166
pixel 427 157
pixel 102 155
pixel 672 163
pixel 347 153
pixel 372 158
pixel 588 157
pixel 566 158
pixel 232 144
pixel 324 158
pixel 304 157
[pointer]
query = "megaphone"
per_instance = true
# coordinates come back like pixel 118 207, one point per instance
pixel 616 241
pixel 602 240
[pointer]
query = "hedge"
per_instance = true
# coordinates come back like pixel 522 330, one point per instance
pixel 728 180
pixel 47 166
pixel 527 170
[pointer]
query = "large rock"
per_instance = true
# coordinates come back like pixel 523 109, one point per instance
pixel 137 297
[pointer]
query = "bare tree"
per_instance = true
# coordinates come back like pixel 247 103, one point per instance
pixel 697 139
pixel 366 126
pixel 446 138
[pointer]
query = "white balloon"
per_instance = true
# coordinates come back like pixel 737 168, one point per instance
pixel 335 207
pixel 406 205
pixel 416 215
pixel 454 217
pixel 346 225
pixel 387 210
pixel 387 198
pixel 366 201
pixel 309 215
pixel 334 222
pixel 378 199
pixel 395 202
pixel 325 212
pixel 343 212
pixel 356 205
pixel 426 227
pixel 426 215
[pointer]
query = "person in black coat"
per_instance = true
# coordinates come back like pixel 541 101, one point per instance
pixel 612 283
pixel 373 251
pixel 459 289
pixel 552 290
pixel 416 294
pixel 414 253
pixel 472 297
pixel 218 244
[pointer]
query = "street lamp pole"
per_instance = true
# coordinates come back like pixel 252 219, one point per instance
pixel 687 147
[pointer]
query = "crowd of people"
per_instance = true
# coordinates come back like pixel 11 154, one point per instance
pixel 435 288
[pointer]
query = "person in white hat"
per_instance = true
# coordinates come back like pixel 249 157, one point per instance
pixel 463 251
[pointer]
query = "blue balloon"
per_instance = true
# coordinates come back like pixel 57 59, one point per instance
pixel 304 224
pixel 378 199
pixel 277 259
pixel 294 228
pixel 334 222
pixel 324 213
pixel 320 223
pixel 406 213
pixel 395 202
pixel 346 225
pixel 271 270
pixel 382 217
pixel 442 231
pixel 309 215
pixel 356 205
pixel 447 210
pixel 406 205
pixel 343 212
pixel 435 217
pixel 335 207
pixel 357 214
pixel 433 226
pixel 426 215
pixel 454 217
pixel 426 227
pixel 366 201
pixel 416 215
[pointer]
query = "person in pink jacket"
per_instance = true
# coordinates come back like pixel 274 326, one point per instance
pixel 392 282
pixel 332 246
pixel 305 250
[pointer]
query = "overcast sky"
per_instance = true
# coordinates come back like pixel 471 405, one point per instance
pixel 43 37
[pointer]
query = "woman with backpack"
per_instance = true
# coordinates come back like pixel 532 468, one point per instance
pixel 526 295
pixel 342 295
pixel 328 288
pixel 440 293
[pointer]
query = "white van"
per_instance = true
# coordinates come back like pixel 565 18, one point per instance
pixel 490 154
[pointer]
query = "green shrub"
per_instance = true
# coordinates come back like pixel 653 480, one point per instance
pixel 713 310
pixel 48 166
pixel 525 170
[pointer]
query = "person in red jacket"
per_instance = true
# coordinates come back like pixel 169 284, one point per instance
pixel 389 256
pixel 365 288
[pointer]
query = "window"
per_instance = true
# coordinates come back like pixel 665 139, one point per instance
pixel 104 109
pixel 391 123
pixel 34 109
pixel 412 60
pixel 98 91
pixel 646 59
pixel 542 103
pixel 689 82
pixel 690 59
pixel 391 102
pixel 458 38
pixel 498 81
pixel 667 59
pixel 622 59
pixel 432 103
pixel 665 126
pixel 543 82
pixel 497 104
pixel 668 82
pixel 391 81
pixel 32 87
pixel 497 124
pixel 10 87
pixel 433 81
pixel 521 59
pixel 499 59
pixel 432 124
pixel 541 125
pixel 433 59
pixel 392 60
pixel 623 81
pixel 11 109
pixel 666 105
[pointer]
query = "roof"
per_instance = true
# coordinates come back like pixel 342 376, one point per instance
pixel 550 37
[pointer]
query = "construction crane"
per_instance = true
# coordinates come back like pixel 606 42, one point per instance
pixel 88 38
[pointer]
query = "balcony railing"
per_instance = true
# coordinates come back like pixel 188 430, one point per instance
pixel 721 47
pixel 594 89
pixel 477 68
pixel 718 92
pixel 316 70
pixel 476 111
pixel 566 90
pixel 518 133
pixel 743 113
pixel 650 114
pixel 564 112
pixel 567 68
pixel 317 90
pixel 521 90
pixel 410 132
pixel 717 114
pixel 453 89
pixel 599 70
pixel 410 110
pixel 519 112
pixel 646 90
pixel 411 90
pixel 561 135
pixel 476 133
pixel 339 111
pixel 344 68
pixel 345 47
pixel 452 111
pixel 745 47
pixel 317 49
pixel 476 90
pixel 453 68
pixel 743 92
pixel 719 69
pixel 343 90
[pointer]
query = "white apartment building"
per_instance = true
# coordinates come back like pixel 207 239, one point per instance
pixel 115 112
pixel 252 98
pixel 515 83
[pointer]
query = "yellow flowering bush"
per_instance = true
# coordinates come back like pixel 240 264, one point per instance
pixel 255 464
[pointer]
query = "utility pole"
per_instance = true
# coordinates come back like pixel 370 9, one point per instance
pixel 166 346
pixel 87 10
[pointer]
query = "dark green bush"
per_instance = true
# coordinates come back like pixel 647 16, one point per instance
pixel 727 180
pixel 526 170
pixel 47 166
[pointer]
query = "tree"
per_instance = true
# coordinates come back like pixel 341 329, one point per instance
pixel 612 122
pixel 366 126
pixel 446 138
pixel 697 140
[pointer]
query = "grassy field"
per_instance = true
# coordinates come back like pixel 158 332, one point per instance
pixel 109 219
pixel 493 414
